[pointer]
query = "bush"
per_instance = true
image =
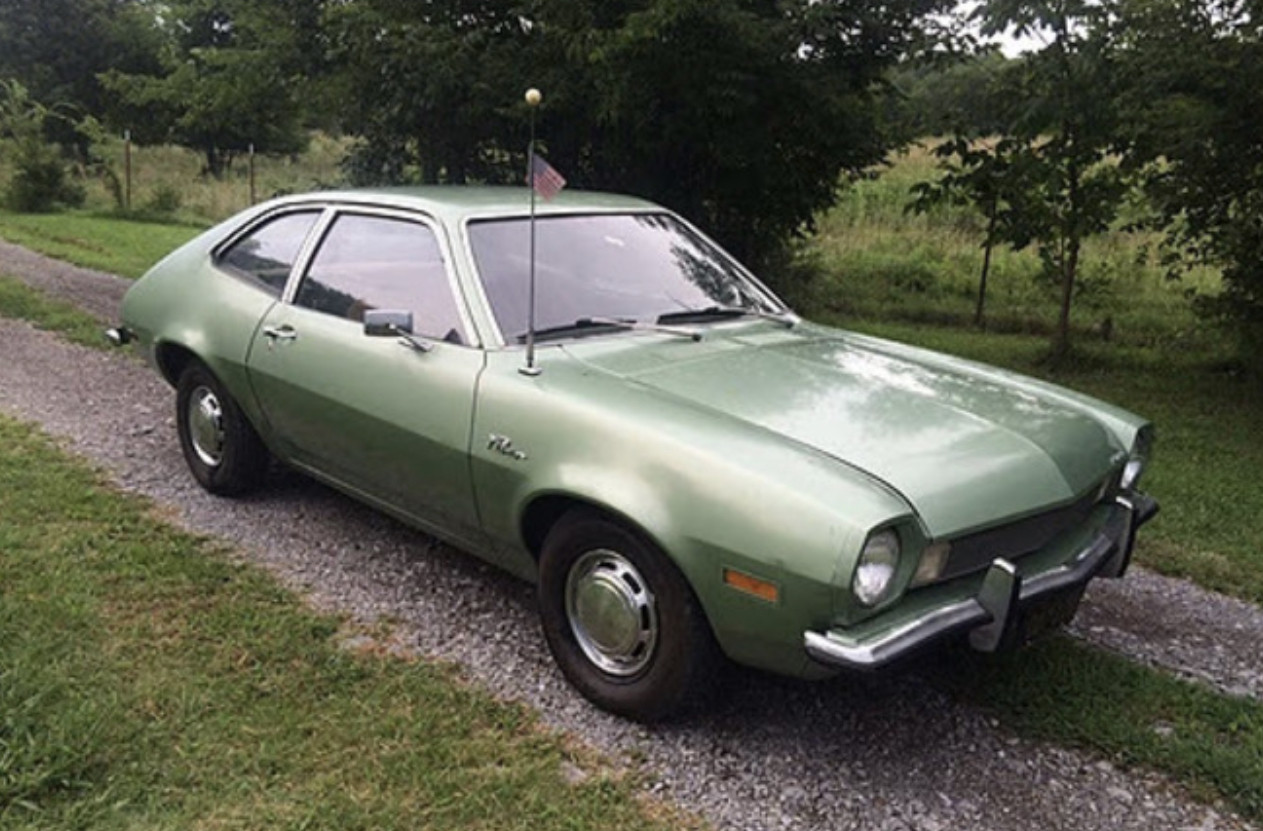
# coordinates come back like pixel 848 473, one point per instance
pixel 164 201
pixel 39 183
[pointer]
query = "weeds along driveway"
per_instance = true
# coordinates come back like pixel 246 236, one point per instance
pixel 893 753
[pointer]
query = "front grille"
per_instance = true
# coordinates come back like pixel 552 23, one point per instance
pixel 1016 539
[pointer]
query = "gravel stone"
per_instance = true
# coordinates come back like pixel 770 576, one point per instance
pixel 888 752
pixel 1170 623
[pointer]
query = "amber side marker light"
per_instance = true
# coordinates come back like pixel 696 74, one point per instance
pixel 761 589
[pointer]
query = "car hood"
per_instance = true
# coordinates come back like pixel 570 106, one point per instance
pixel 965 447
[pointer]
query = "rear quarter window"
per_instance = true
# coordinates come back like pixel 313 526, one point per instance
pixel 267 254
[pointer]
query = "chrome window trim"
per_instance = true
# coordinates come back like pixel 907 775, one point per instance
pixel 314 238
pixel 335 210
pixel 258 221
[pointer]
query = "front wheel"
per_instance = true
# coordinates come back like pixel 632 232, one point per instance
pixel 621 620
pixel 220 445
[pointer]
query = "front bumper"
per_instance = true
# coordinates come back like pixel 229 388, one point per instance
pixel 992 616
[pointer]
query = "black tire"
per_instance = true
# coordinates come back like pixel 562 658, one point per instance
pixel 221 447
pixel 588 559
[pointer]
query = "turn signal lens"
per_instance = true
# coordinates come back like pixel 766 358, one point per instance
pixel 933 561
pixel 748 584
pixel 875 573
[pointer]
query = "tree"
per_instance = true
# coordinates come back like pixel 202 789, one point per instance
pixel 39 180
pixel 951 95
pixel 742 114
pixel 1194 91
pixel 231 78
pixel 1063 130
pixel 56 48
pixel 986 175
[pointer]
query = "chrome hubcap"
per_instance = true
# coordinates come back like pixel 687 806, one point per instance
pixel 611 612
pixel 206 426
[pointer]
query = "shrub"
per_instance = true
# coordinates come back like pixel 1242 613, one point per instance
pixel 165 200
pixel 39 183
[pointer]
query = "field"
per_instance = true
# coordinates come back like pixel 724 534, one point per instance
pixel 219 712
pixel 883 262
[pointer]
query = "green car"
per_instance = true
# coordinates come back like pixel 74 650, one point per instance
pixel 686 469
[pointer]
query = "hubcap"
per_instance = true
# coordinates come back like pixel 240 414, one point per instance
pixel 611 612
pixel 206 426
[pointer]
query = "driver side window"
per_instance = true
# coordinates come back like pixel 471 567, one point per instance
pixel 374 262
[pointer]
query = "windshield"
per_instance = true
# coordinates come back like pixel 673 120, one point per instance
pixel 620 266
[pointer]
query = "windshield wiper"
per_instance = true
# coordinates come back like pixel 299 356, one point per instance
pixel 595 325
pixel 786 319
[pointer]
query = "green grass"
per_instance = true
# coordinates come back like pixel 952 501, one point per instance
pixel 148 682
pixel 19 300
pixel 124 247
pixel 167 180
pixel 1065 692
pixel 878 261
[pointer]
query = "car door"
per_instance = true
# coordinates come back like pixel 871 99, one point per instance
pixel 373 414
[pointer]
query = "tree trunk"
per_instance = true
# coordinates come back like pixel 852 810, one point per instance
pixel 214 163
pixel 987 245
pixel 1069 267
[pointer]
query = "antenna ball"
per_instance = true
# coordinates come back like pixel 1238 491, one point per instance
pixel 533 97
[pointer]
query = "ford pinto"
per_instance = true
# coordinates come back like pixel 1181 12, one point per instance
pixel 687 470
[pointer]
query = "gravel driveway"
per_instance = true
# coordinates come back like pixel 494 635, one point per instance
pixel 892 753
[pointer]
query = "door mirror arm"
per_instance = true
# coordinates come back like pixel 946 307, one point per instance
pixel 394 323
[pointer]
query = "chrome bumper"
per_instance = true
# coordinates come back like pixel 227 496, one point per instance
pixel 993 614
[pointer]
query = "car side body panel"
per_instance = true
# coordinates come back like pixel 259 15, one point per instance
pixel 711 495
pixel 370 413
pixel 186 304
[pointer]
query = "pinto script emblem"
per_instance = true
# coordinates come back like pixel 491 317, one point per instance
pixel 504 444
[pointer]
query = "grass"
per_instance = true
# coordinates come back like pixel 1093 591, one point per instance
pixel 18 300
pixel 105 243
pixel 168 180
pixel 1065 692
pixel 148 682
pixel 171 203
pixel 880 262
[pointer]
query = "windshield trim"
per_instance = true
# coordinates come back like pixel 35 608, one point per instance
pixel 499 339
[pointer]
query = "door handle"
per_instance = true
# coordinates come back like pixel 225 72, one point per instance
pixel 276 333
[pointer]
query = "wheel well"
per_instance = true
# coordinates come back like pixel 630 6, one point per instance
pixel 543 513
pixel 172 359
pixel 540 517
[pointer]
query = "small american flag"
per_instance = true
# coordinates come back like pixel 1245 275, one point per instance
pixel 544 178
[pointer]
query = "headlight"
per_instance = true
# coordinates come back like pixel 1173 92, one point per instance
pixel 1137 459
pixel 875 573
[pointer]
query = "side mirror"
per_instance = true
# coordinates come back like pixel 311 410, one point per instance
pixel 387 322
pixel 394 323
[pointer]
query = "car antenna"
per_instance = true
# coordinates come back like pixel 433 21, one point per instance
pixel 533 97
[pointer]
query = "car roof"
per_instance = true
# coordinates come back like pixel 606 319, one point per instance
pixel 456 203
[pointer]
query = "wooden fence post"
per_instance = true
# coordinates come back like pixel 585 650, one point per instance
pixel 127 170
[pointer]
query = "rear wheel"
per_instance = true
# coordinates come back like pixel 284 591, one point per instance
pixel 621 620
pixel 221 447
